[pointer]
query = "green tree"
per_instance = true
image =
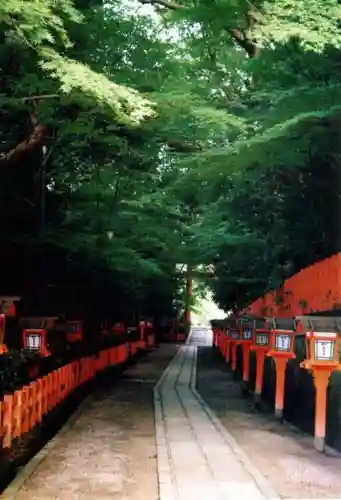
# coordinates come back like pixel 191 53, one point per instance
pixel 165 133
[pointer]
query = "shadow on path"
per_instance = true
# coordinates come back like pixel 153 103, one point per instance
pixel 281 452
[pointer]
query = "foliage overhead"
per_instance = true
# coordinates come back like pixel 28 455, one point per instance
pixel 166 132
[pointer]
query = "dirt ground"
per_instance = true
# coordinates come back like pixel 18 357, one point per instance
pixel 110 450
pixel 282 453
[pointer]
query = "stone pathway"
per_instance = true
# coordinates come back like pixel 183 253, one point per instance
pixel 282 453
pixel 106 451
pixel 197 458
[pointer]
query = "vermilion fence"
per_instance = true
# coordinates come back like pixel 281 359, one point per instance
pixel 21 411
pixel 316 288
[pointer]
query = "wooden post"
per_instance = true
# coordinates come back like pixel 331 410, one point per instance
pixel 233 356
pixel 246 362
pixel 321 376
pixel 260 354
pixel 322 352
pixel 227 349
pixel 25 422
pixel 17 414
pixel 7 421
pixel 224 346
pixel 281 364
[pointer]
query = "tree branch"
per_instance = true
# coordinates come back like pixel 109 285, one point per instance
pixel 30 143
pixel 38 97
pixel 250 47
pixel 238 35
pixel 181 147
pixel 164 3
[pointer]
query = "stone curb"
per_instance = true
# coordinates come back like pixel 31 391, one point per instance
pixel 262 483
pixel 166 484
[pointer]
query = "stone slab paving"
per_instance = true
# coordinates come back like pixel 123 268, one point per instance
pixel 284 454
pixel 197 459
pixel 107 450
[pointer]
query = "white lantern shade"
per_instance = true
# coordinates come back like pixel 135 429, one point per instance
pixel 33 341
pixel 262 339
pixel 283 342
pixel 247 334
pixel 324 350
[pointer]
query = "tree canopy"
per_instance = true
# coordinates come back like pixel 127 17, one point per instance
pixel 140 135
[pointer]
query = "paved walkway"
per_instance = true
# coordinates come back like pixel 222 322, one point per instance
pixel 108 449
pixel 197 458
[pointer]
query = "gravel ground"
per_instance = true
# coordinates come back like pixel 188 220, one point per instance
pixel 109 452
pixel 282 453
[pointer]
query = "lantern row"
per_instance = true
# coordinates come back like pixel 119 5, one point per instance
pixel 275 337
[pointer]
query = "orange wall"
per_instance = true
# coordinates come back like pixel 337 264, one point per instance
pixel 315 288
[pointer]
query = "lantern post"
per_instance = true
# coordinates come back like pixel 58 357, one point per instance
pixel 151 335
pixel 3 346
pixel 226 339
pixel 246 341
pixel 282 343
pixel 227 344
pixel 218 334
pixel 217 331
pixel 260 345
pixel 142 328
pixel 220 338
pixel 322 357
pixel 214 332
pixel 234 340
pixel 7 308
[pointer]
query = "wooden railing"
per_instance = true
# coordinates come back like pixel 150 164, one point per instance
pixel 24 409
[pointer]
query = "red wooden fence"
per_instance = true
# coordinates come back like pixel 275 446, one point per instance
pixel 316 288
pixel 21 411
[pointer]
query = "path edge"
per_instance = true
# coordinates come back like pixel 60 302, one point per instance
pixel 261 481
pixel 13 488
pixel 165 481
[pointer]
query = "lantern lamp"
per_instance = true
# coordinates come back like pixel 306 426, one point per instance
pixel 234 338
pixel 74 331
pixel 261 344
pixel 226 338
pixel 322 346
pixel 282 335
pixel 245 327
pixel 35 339
pixel 246 341
pixel 325 349
pixel 235 334
pixel 3 347
pixel 261 339
pixel 283 342
pixel 322 342
pixel 282 349
pixel 322 357
pixel 247 334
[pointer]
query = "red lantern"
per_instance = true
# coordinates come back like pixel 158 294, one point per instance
pixel 3 347
pixel 322 357
pixel 282 342
pixel 74 331
pixel 246 340
pixel 35 340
